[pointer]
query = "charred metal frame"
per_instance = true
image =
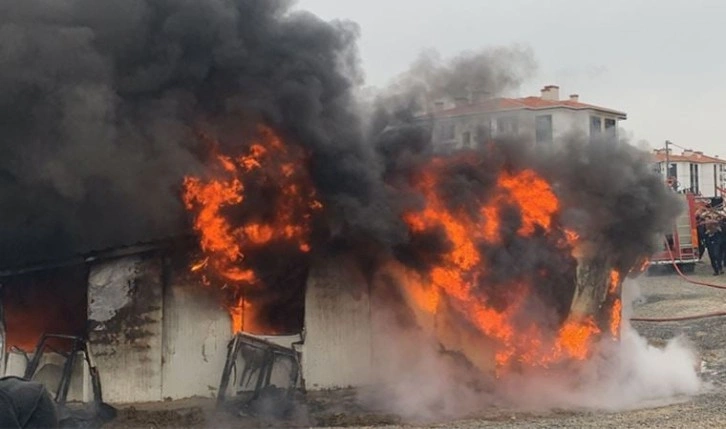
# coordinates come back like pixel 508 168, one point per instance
pixel 99 411
pixel 242 342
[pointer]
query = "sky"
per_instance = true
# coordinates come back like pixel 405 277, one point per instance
pixel 661 62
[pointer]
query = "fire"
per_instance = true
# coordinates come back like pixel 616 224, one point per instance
pixel 616 317
pixel 231 228
pixel 614 281
pixel 575 338
pixel 461 270
pixel 536 201
pixel 616 309
pixel 641 267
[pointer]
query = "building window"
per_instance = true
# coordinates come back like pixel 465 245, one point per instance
pixel 694 178
pixel 610 129
pixel 466 139
pixel 595 125
pixel 673 175
pixel 483 132
pixel 507 125
pixel 446 132
pixel 543 129
pixel 715 180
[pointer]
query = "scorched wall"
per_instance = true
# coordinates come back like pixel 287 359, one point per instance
pixel 155 334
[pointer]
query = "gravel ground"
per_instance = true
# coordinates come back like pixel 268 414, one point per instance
pixel 663 294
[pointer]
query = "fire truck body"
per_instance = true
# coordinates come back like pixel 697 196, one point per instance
pixel 683 239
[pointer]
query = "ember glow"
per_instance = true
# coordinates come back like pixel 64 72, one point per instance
pixel 232 230
pixel 460 275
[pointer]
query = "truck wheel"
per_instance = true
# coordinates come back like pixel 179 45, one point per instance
pixel 687 268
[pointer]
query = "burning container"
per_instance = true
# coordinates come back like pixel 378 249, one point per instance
pixel 153 331
pixel 156 332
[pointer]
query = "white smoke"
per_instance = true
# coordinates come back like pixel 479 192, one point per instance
pixel 625 374
pixel 413 378
pixel 420 383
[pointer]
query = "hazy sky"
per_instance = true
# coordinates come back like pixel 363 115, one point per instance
pixel 662 62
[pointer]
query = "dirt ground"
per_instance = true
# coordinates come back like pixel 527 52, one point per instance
pixel 663 295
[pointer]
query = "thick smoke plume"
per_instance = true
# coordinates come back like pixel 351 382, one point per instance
pixel 102 104
pixel 481 73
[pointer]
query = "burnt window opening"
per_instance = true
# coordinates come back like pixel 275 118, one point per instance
pixel 51 301
pixel 274 305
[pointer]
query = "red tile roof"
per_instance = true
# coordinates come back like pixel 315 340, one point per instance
pixel 526 103
pixel 695 157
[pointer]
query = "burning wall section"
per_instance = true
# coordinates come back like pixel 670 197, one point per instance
pixel 496 246
pixel 254 218
pixel 154 332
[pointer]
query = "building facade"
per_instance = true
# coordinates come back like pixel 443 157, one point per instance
pixel 692 171
pixel 465 121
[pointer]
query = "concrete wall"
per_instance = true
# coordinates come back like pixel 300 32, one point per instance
pixel 125 319
pixel 337 349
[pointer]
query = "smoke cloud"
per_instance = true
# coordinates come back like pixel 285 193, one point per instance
pixel 484 72
pixel 102 104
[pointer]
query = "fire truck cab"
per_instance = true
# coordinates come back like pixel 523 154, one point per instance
pixel 682 241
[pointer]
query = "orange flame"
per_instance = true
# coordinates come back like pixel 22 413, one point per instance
pixel 537 202
pixel 614 281
pixel 225 239
pixel 616 317
pixel 461 267
pixel 575 338
pixel 616 309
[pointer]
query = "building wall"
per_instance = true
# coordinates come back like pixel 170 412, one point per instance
pixel 125 318
pixel 706 183
pixel 157 333
pixel 196 333
pixel 564 122
pixel 684 175
pixel 337 349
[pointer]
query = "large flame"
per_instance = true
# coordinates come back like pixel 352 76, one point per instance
pixel 616 302
pixel 458 273
pixel 230 228
pixel 456 278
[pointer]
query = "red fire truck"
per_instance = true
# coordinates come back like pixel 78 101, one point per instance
pixel 682 240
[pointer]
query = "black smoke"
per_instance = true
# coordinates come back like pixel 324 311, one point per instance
pixel 102 104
